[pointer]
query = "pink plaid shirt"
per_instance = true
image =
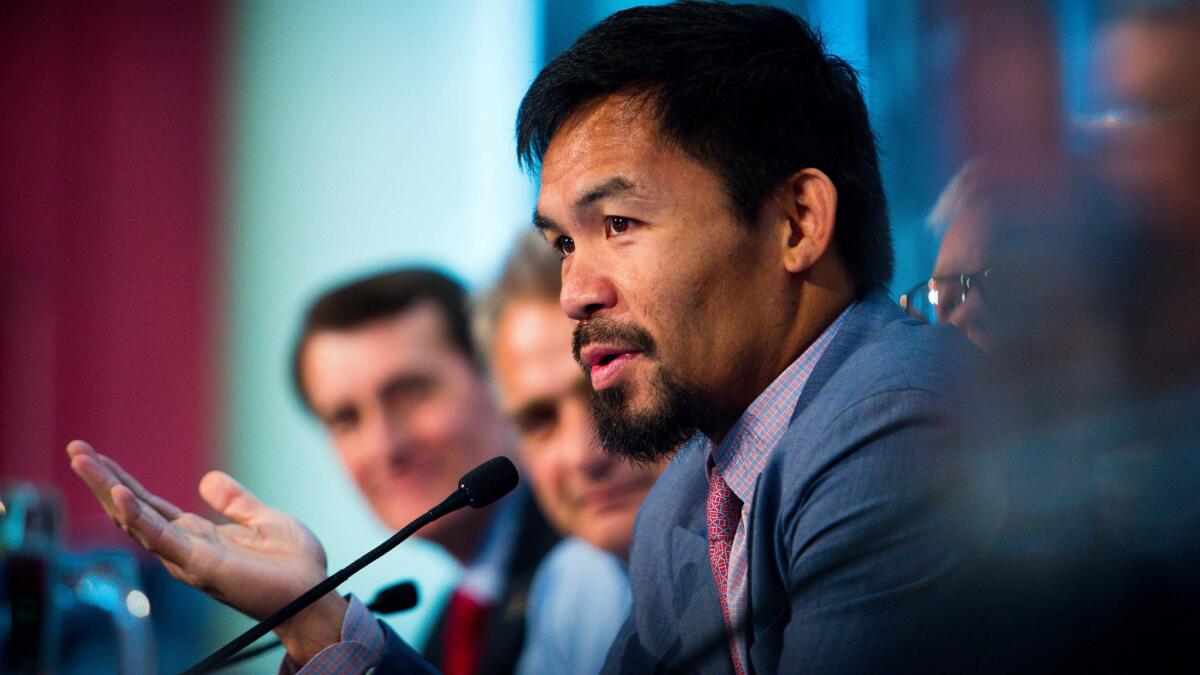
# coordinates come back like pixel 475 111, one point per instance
pixel 743 454
pixel 360 648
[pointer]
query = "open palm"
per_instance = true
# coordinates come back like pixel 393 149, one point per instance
pixel 257 563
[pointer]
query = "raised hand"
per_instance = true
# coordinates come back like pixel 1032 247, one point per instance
pixel 257 563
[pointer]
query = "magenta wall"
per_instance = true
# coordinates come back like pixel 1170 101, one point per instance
pixel 109 233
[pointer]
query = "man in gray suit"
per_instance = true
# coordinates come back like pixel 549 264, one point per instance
pixel 710 178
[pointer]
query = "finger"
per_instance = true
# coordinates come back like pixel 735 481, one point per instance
pixel 164 507
pixel 78 447
pixel 98 479
pixel 230 498
pixel 150 528
pixel 175 570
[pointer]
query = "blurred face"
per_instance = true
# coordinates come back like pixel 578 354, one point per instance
pixel 1150 71
pixel 583 490
pixel 407 412
pixel 964 250
pixel 677 300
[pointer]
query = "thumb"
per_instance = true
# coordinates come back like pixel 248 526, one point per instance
pixel 230 498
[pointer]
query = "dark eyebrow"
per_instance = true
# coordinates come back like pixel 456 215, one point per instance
pixel 532 408
pixel 542 223
pixel 343 411
pixel 608 188
pixel 611 187
pixel 550 401
pixel 403 382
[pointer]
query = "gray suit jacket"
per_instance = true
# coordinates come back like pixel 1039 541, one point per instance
pixel 853 533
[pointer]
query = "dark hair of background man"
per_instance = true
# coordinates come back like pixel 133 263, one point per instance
pixel 749 92
pixel 381 296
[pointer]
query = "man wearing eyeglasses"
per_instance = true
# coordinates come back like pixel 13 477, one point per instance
pixel 957 292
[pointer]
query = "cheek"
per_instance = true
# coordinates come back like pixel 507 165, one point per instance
pixel 676 301
pixel 356 460
pixel 545 465
pixel 658 297
pixel 546 474
pixel 443 426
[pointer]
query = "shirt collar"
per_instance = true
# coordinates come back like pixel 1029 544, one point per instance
pixel 483 578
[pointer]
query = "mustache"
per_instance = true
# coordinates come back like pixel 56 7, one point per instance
pixel 610 331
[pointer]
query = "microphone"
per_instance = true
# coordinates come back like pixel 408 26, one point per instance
pixel 394 598
pixel 478 488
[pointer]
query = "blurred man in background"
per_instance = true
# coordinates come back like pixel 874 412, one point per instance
pixel 957 292
pixel 388 366
pixel 581 593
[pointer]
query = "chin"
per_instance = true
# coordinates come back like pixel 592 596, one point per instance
pixel 396 518
pixel 398 507
pixel 612 533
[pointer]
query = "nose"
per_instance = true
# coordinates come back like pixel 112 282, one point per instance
pixel 586 290
pixel 971 316
pixel 392 435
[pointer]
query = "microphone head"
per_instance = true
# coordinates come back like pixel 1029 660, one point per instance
pixel 489 481
pixel 395 598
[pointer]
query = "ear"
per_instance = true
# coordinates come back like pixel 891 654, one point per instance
pixel 809 201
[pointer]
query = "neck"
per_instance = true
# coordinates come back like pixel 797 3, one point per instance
pixel 818 304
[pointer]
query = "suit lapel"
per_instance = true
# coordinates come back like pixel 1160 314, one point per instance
pixel 693 598
pixel 767 610
pixel 684 614
pixel 865 319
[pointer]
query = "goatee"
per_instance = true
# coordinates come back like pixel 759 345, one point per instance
pixel 642 437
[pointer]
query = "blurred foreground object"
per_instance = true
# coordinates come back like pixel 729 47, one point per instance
pixel 1087 431
pixel 1149 134
pixel 60 612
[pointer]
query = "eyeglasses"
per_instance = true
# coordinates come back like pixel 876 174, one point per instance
pixel 935 300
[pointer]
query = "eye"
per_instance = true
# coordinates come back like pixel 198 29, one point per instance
pixel 404 393
pixel 536 420
pixel 617 224
pixel 564 245
pixel 342 420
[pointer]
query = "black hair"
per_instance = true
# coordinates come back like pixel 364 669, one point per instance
pixel 748 91
pixel 380 296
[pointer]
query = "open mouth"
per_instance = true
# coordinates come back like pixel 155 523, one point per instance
pixel 606 364
pixel 607 359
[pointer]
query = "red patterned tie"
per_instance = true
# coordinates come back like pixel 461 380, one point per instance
pixel 724 512
pixel 462 644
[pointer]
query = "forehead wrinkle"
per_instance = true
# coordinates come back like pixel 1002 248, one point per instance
pixel 617 185
pixel 600 127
